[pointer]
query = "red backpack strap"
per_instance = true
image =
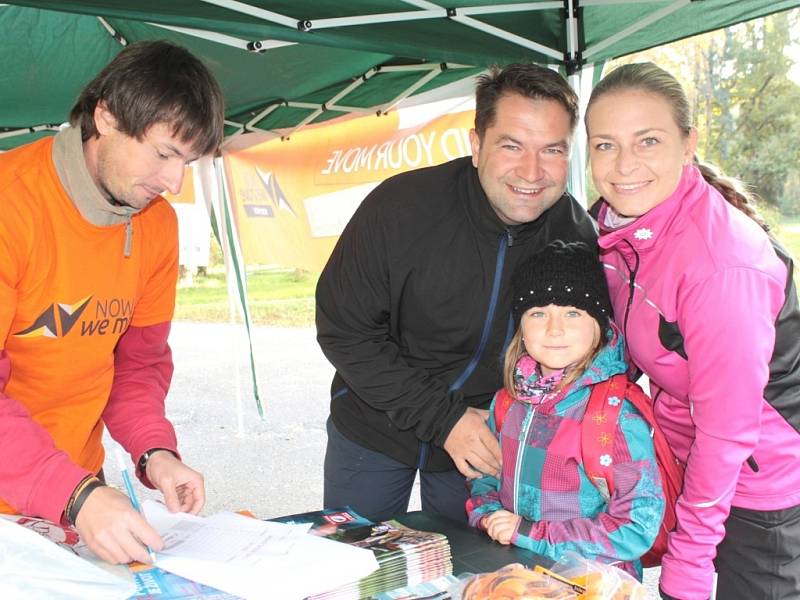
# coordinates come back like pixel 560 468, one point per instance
pixel 598 429
pixel 670 469
pixel 502 402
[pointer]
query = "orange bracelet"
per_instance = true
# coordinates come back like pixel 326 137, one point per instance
pixel 87 485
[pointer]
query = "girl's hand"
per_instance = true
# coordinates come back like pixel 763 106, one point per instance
pixel 502 525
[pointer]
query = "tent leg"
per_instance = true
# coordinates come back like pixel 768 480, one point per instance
pixel 237 378
pixel 582 82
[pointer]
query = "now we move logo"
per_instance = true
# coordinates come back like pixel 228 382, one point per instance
pixel 110 316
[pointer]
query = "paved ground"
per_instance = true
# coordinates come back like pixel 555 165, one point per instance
pixel 272 466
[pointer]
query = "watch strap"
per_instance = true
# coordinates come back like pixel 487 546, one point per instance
pixel 141 466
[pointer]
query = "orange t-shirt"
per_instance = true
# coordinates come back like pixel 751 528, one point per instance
pixel 67 294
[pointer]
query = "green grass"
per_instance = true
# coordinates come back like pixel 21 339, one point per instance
pixel 276 297
pixel 787 230
pixel 791 241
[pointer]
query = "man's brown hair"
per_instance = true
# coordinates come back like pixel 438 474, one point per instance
pixel 529 81
pixel 156 82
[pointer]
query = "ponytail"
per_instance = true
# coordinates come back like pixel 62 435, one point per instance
pixel 733 190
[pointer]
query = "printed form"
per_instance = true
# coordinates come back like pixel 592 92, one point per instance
pixel 223 537
pixel 250 558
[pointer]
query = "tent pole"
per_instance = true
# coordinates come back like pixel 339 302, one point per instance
pixel 324 106
pixel 410 90
pixel 27 130
pixel 113 32
pixel 582 82
pixel 254 11
pixel 641 24
pixel 362 110
pixel 508 36
pixel 411 15
pixel 318 109
pixel 255 46
pixel 614 2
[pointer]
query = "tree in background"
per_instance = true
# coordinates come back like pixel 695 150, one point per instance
pixel 746 106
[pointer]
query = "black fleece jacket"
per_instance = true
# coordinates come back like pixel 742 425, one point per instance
pixel 413 307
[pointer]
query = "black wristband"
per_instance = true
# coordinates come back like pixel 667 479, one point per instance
pixel 142 464
pixel 77 504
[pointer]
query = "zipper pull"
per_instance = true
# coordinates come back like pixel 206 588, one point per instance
pixel 128 237
pixel 510 238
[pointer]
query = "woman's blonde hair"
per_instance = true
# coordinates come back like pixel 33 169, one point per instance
pixel 516 350
pixel 649 77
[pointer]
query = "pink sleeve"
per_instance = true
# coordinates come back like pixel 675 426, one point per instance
pixel 35 477
pixel 142 374
pixel 729 334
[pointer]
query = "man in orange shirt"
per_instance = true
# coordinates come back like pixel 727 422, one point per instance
pixel 88 267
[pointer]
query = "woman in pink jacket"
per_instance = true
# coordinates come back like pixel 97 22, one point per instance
pixel 706 301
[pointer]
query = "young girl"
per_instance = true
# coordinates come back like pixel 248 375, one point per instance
pixel 563 346
pixel 709 311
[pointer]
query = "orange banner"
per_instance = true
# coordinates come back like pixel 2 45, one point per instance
pixel 293 198
pixel 186 195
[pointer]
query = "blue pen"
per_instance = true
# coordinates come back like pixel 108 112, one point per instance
pixel 126 477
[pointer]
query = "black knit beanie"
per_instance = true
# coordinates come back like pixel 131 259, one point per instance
pixel 564 275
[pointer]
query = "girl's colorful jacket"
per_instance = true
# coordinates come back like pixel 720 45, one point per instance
pixel 544 482
pixel 710 314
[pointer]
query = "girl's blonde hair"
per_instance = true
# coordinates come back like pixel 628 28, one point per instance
pixel 516 350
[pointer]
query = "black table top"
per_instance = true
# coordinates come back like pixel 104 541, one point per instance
pixel 472 550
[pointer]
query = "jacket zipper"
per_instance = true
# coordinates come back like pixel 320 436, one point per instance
pixel 128 237
pixel 506 241
pixel 523 435
pixel 631 286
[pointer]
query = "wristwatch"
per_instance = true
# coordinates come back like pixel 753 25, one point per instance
pixel 142 464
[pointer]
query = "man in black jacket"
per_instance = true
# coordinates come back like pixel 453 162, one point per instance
pixel 413 307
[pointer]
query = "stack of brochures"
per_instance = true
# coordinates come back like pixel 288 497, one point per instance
pixel 406 557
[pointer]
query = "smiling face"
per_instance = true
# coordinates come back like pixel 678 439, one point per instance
pixel 636 149
pixel 133 172
pixel 523 157
pixel 558 336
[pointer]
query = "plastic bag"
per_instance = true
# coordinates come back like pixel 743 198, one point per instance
pixel 515 582
pixel 601 581
pixel 573 577
pixel 33 567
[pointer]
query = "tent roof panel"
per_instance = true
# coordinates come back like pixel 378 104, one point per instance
pixel 51 48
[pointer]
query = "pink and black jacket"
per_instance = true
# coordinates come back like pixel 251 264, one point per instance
pixel 709 311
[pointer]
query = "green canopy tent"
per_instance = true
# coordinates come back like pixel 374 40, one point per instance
pixel 287 63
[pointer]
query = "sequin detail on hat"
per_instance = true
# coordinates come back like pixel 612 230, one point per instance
pixel 565 275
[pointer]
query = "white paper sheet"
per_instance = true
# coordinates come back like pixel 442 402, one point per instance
pixel 253 558
pixel 223 537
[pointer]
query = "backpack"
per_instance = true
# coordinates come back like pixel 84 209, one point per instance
pixel 597 438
